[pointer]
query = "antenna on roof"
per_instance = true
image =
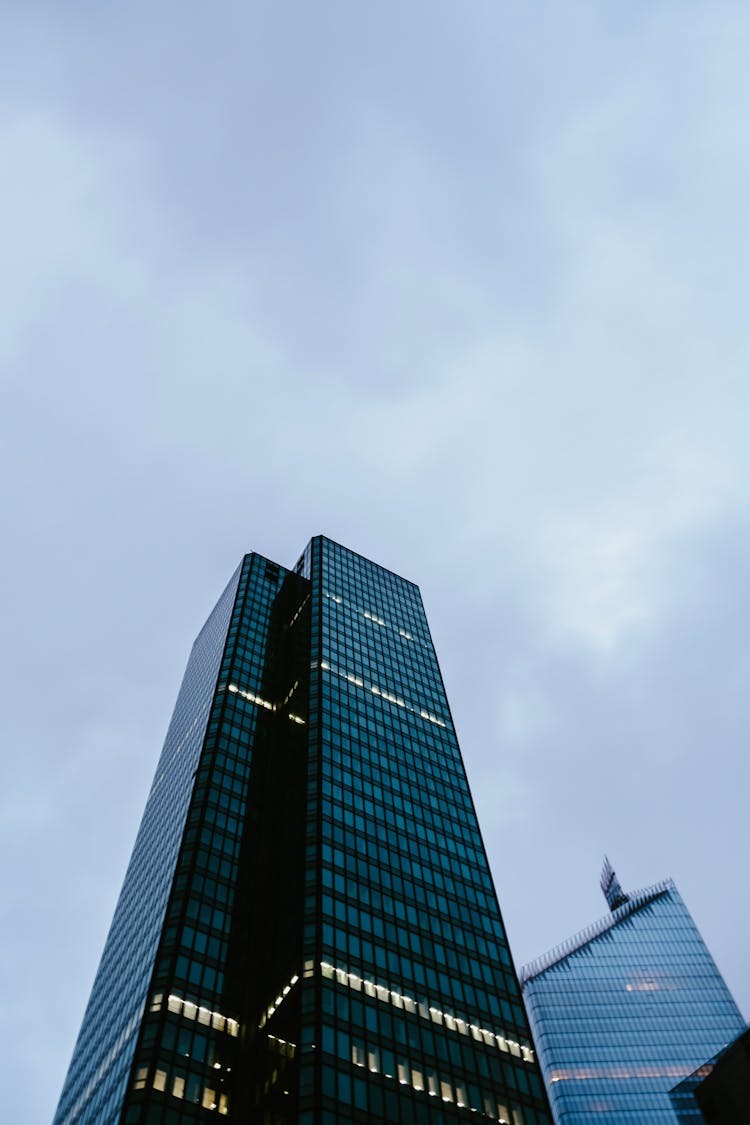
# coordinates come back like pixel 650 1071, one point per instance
pixel 611 888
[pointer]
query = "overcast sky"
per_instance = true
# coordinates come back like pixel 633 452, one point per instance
pixel 463 286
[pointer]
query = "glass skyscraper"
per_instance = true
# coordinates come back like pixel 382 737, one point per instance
pixel 625 1009
pixel 308 930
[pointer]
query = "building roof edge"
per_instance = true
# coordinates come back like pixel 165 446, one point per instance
pixel 635 902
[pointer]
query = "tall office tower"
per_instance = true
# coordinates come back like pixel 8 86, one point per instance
pixel 308 930
pixel 626 1008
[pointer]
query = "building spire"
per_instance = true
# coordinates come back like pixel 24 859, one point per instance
pixel 610 885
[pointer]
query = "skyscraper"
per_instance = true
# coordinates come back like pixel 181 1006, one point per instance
pixel 625 1009
pixel 308 930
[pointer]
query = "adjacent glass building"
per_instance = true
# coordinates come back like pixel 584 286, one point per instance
pixel 624 1010
pixel 308 930
pixel 717 1092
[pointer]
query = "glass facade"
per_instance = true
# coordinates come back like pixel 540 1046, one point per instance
pixel 97 1077
pixel 308 930
pixel 626 1009
pixel 719 1090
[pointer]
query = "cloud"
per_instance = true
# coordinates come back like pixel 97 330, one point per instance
pixel 466 292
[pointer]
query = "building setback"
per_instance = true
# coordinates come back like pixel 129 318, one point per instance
pixel 624 1010
pixel 308 930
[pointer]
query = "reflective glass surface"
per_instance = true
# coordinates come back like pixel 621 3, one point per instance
pixel 97 1076
pixel 316 938
pixel 621 1016
pixel 411 1010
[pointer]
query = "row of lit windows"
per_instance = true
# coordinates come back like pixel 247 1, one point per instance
pixel 259 701
pixel 404 682
pixel 382 693
pixel 375 618
pixel 376 668
pixel 181 1085
pixel 190 1010
pixel 423 1079
pixel 380 650
pixel 427 742
pixel 427 1012
pixel 363 708
pixel 621 1073
pixel 407 761
pixel 453 989
pixel 430 953
pixel 396 748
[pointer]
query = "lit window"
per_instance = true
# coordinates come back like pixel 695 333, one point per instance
pixel 359 1057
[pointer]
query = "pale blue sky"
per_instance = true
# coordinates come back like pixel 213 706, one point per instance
pixel 462 286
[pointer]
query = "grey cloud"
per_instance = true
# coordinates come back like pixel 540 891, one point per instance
pixel 463 291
